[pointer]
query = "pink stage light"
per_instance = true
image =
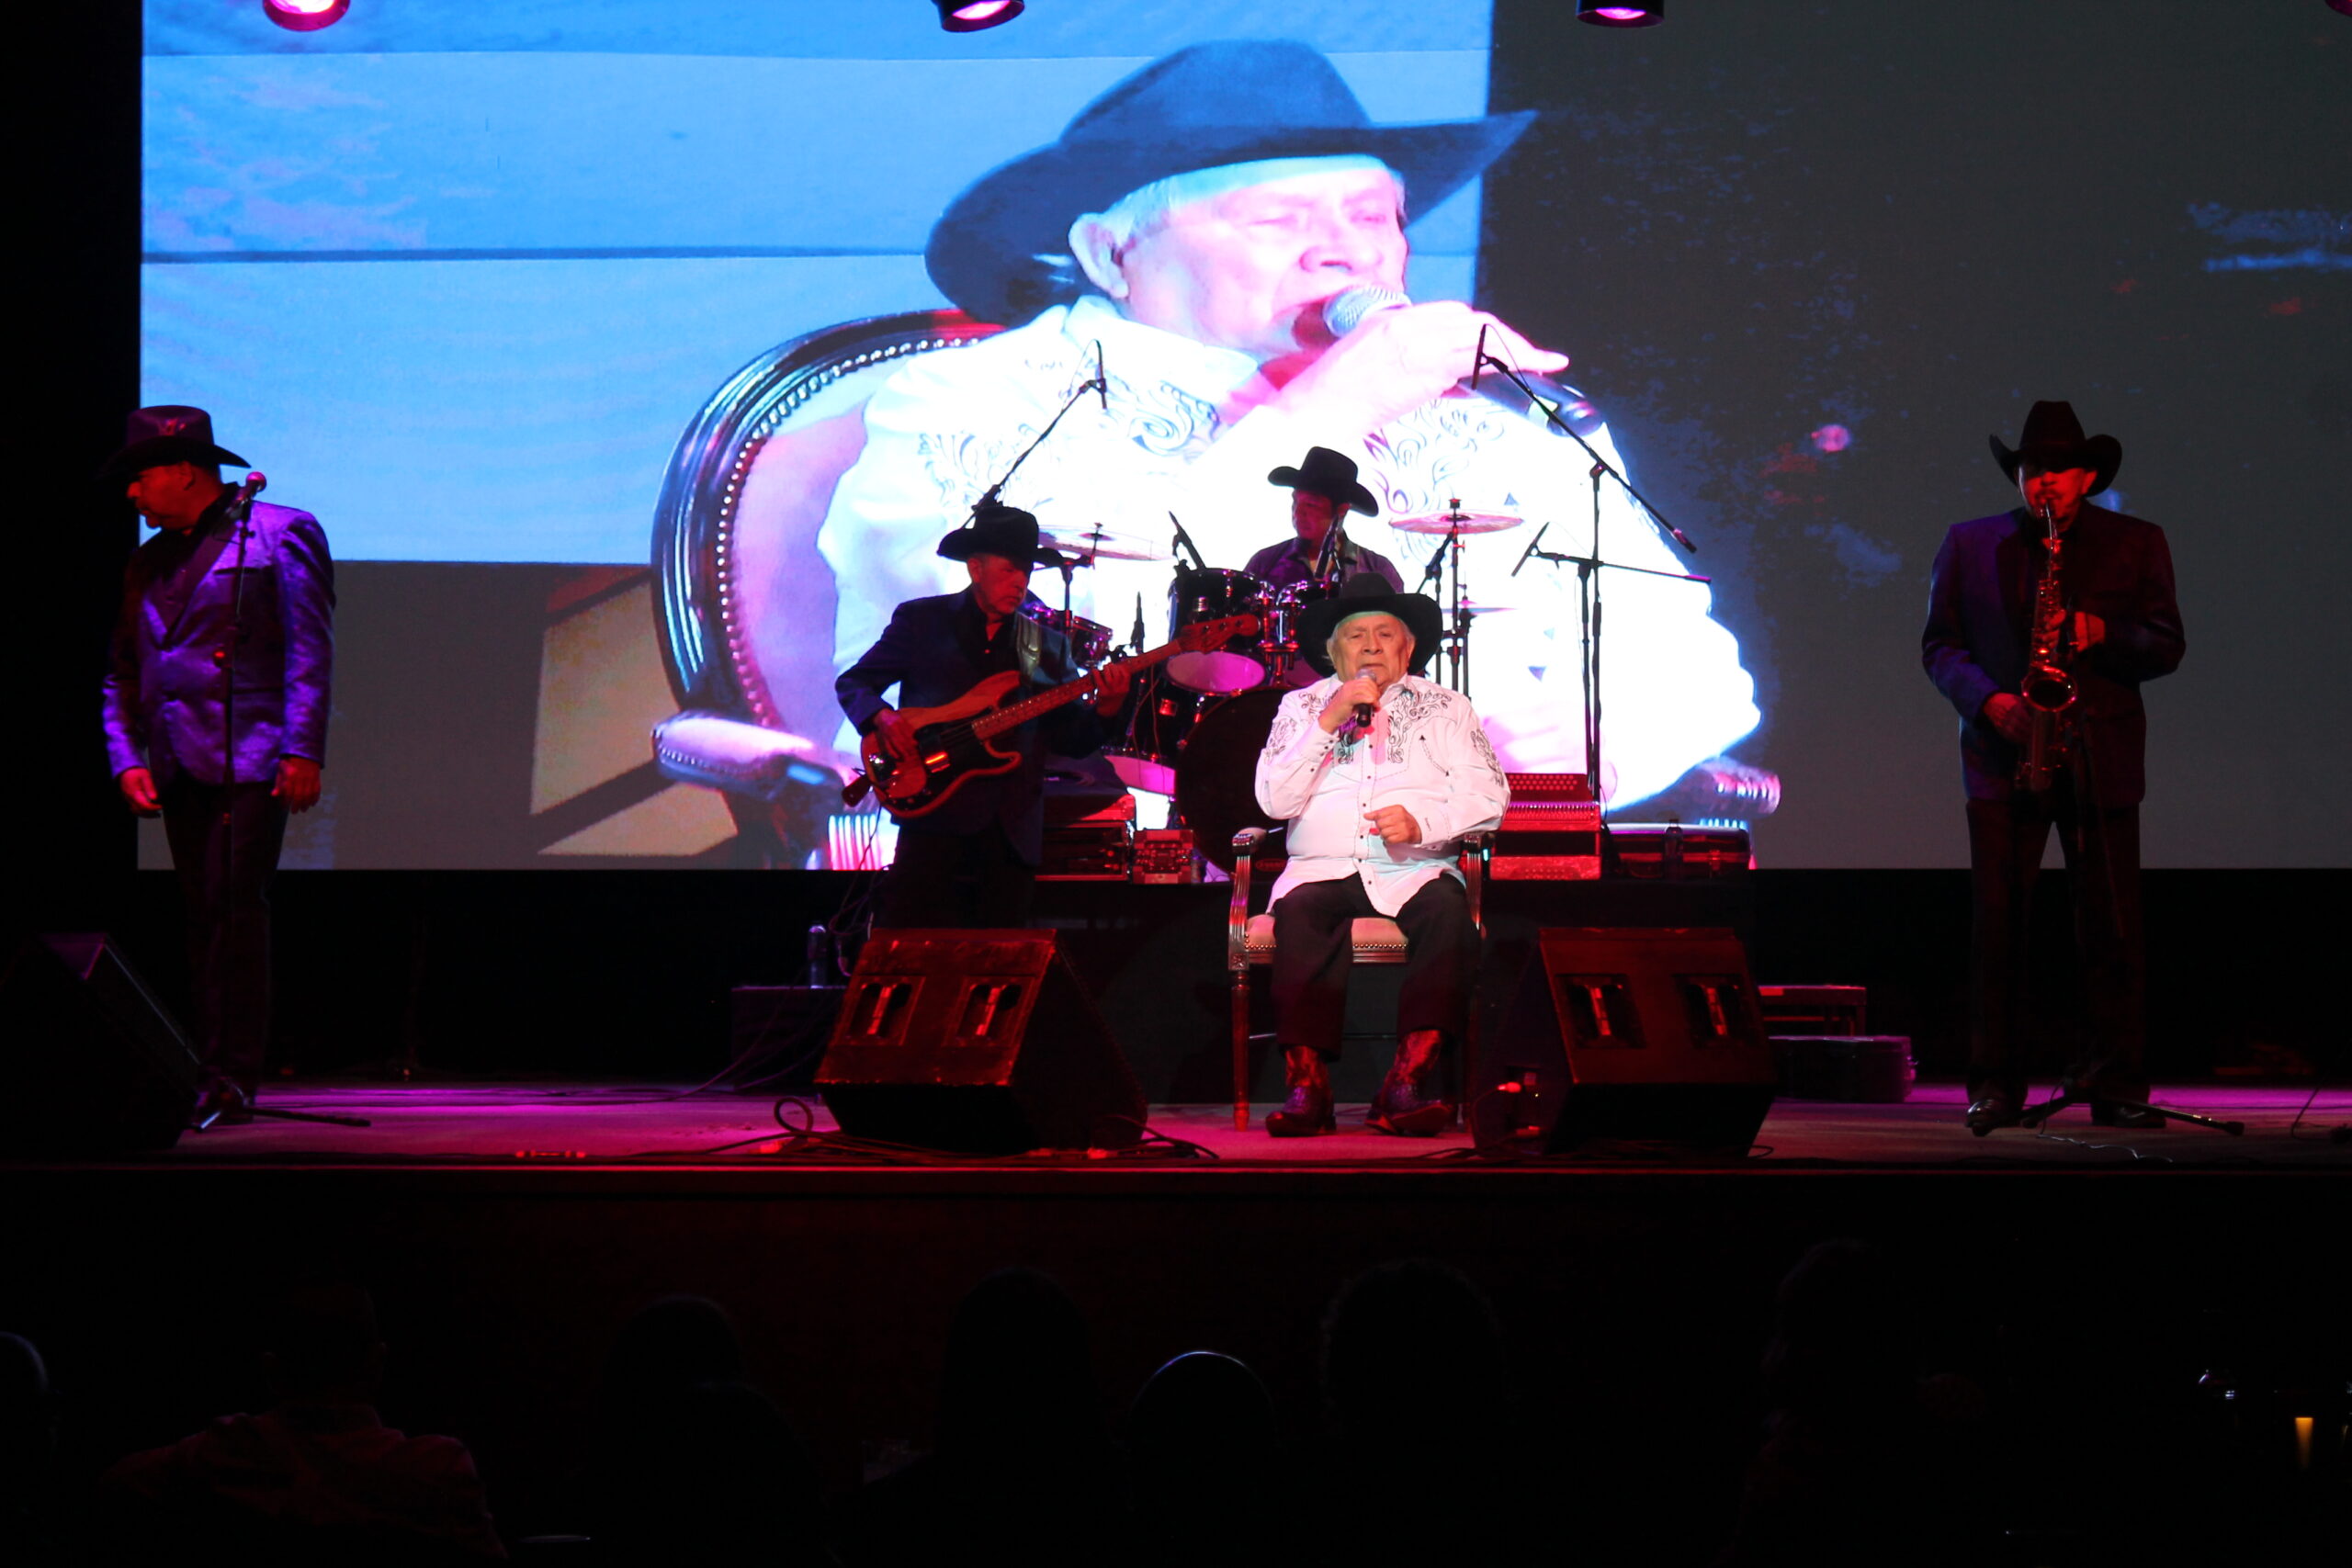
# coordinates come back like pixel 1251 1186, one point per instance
pixel 1619 15
pixel 304 16
pixel 974 16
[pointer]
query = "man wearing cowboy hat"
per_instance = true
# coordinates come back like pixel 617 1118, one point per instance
pixel 973 861
pixel 1323 490
pixel 1373 811
pixel 1193 222
pixel 168 710
pixel 2123 627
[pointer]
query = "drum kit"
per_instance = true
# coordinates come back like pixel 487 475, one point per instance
pixel 1199 722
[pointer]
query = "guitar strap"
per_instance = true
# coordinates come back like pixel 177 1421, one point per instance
pixel 1029 649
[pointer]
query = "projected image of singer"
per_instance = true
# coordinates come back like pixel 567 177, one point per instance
pixel 217 697
pixel 1377 771
pixel 1191 226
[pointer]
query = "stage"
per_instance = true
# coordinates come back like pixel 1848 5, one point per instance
pixel 481 1125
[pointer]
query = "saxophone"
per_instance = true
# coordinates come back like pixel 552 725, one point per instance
pixel 2048 688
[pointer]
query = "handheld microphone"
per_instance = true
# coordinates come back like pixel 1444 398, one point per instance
pixel 1364 716
pixel 1351 308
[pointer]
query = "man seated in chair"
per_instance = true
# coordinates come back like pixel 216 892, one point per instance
pixel 1377 771
pixel 972 860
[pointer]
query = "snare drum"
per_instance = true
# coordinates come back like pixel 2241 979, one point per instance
pixel 1210 594
pixel 1089 641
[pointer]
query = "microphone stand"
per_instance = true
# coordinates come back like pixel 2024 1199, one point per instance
pixel 239 517
pixel 995 493
pixel 1588 566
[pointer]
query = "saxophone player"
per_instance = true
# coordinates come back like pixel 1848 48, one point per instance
pixel 2043 623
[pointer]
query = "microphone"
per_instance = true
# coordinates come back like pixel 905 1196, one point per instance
pixel 1526 554
pixel 1478 359
pixel 241 504
pixel 1101 386
pixel 1364 716
pixel 1345 312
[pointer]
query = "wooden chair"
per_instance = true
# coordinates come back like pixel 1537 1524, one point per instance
pixel 1250 941
pixel 745 600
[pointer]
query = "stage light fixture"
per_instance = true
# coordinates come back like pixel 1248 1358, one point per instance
pixel 304 16
pixel 976 15
pixel 2341 7
pixel 1618 14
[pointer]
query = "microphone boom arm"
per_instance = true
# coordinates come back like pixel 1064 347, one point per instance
pixel 1552 417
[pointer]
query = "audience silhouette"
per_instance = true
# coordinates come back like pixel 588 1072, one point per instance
pixel 693 1463
pixel 1201 1448
pixel 1021 1471
pixel 315 1477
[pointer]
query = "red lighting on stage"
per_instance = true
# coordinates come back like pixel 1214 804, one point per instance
pixel 1621 14
pixel 305 15
pixel 974 16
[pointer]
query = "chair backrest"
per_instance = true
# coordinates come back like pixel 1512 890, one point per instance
pixel 745 602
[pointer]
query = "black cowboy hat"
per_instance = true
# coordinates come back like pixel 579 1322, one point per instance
pixel 168 433
pixel 2053 439
pixel 1368 593
pixel 1328 474
pixel 1004 531
pixel 995 250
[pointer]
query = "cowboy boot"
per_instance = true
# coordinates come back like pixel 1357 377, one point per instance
pixel 1410 1102
pixel 1307 1110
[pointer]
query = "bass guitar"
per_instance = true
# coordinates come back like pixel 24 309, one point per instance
pixel 956 742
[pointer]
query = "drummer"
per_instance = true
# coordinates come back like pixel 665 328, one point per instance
pixel 1323 489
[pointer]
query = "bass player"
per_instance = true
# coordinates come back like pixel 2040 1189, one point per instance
pixel 973 861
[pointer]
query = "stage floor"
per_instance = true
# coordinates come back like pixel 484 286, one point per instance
pixel 549 1124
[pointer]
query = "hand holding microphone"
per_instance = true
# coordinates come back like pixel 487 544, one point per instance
pixel 1353 703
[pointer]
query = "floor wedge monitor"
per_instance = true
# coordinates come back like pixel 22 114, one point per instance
pixel 94 1062
pixel 976 1041
pixel 1627 1036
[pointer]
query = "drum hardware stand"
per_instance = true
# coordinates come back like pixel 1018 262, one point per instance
pixel 1588 566
pixel 1456 641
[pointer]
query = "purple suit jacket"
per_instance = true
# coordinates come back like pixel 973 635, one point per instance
pixel 1979 600
pixel 164 685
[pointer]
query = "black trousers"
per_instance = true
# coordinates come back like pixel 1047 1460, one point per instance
pixel 965 882
pixel 1313 950
pixel 224 849
pixel 2102 850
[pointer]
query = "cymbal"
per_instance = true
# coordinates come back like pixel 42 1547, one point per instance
pixel 1094 544
pixel 1444 523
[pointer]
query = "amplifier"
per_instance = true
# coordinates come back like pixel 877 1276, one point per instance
pixel 1550 832
pixel 1087 851
pixel 1164 855
pixel 1669 852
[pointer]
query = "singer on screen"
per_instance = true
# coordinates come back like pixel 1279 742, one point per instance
pixel 1195 221
pixel 216 712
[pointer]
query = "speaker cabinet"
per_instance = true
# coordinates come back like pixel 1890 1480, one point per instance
pixel 94 1064
pixel 976 1041
pixel 1628 1035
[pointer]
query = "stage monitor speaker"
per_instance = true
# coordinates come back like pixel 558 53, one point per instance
pixel 92 1061
pixel 1628 1035
pixel 976 1041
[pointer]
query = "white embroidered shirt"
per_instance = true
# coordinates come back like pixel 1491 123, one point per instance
pixel 1426 752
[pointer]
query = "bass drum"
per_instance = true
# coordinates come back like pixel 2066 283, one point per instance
pixel 1145 758
pixel 1216 773
pixel 1211 596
